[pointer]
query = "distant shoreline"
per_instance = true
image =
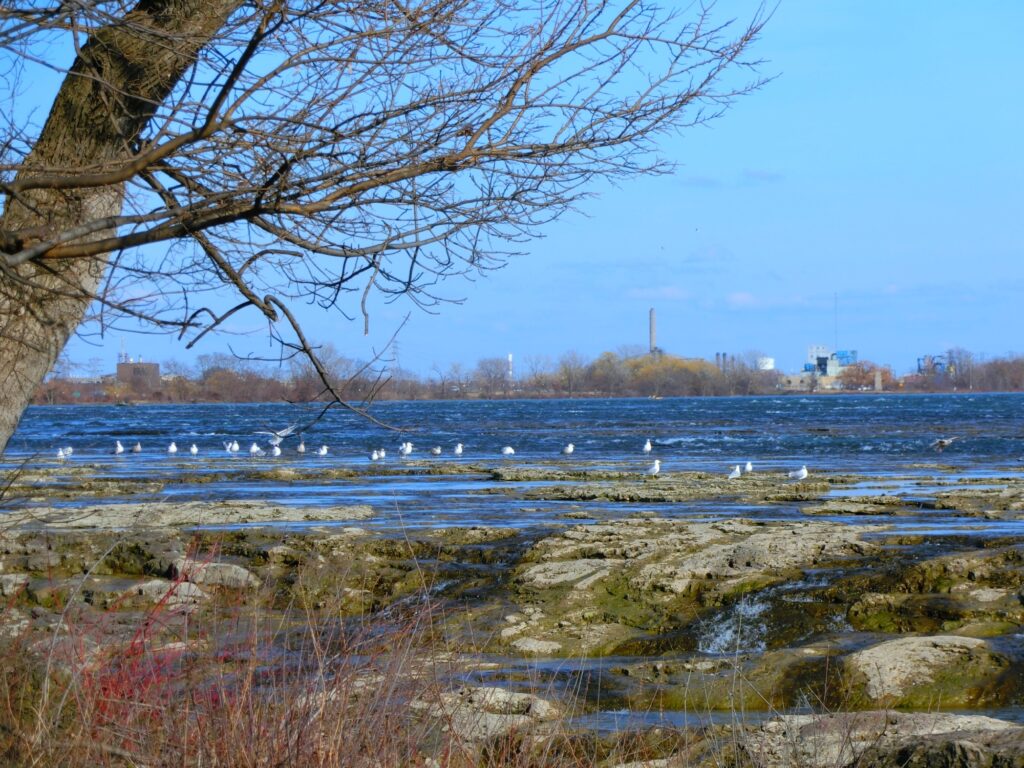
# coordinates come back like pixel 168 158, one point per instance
pixel 525 398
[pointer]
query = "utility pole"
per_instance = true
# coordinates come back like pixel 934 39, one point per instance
pixel 835 318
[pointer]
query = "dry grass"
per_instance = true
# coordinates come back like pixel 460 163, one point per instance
pixel 238 685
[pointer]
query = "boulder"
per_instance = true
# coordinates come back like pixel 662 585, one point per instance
pixel 539 647
pixel 12 583
pixel 480 714
pixel 172 593
pixel 214 574
pixel 883 738
pixel 940 670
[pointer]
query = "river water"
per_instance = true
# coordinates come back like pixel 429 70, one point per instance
pixel 863 433
pixel 881 436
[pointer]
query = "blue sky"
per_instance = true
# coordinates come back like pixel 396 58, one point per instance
pixel 881 170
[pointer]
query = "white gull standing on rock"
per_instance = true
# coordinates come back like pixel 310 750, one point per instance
pixel 798 474
pixel 736 472
pixel 655 468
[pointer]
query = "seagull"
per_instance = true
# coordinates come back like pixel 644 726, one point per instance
pixel 436 450
pixel 458 449
pixel 568 449
pixel 60 454
pixel 276 450
pixel 749 467
pixel 799 474
pixel 68 451
pixel 735 474
pixel 655 468
pixel 227 446
pixel 172 448
pixel 648 447
pixel 194 449
pixel 118 448
pixel 405 449
pixel 277 436
pixel 943 443
pixel 234 446
pixel 301 448
pixel 255 450
pixel 322 450
pixel 137 448
pixel 382 453
pixel 375 456
pixel 508 450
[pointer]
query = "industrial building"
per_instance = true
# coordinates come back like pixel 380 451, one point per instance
pixel 140 377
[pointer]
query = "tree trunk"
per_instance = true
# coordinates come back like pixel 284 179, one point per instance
pixel 124 72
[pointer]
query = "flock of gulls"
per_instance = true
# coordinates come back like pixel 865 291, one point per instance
pixel 275 438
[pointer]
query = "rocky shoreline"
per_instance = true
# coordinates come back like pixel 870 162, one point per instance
pixel 857 622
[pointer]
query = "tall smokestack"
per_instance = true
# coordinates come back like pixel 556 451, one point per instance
pixel 654 341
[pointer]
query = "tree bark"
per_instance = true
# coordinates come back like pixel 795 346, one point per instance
pixel 122 75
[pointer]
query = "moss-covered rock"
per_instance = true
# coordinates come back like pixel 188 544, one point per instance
pixel 934 671
pixel 653 576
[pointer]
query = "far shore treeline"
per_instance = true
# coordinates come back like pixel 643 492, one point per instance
pixel 627 373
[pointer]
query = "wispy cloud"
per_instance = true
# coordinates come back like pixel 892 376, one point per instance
pixel 742 300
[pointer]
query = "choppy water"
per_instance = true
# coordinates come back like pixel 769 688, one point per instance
pixel 869 434
pixel 855 432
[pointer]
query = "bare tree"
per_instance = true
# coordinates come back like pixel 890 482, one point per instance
pixel 571 371
pixel 539 373
pixel 491 376
pixel 205 158
pixel 442 382
pixel 458 378
pixel 961 366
